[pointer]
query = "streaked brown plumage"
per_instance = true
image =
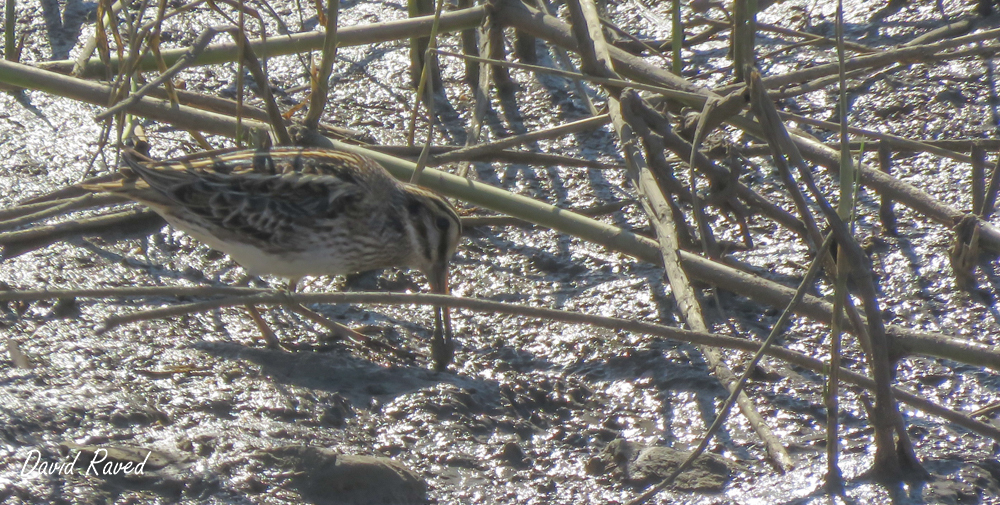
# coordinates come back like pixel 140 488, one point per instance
pixel 294 212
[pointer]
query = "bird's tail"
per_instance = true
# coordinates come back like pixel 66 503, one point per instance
pixel 137 180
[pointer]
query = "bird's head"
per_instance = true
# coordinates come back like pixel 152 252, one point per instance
pixel 434 229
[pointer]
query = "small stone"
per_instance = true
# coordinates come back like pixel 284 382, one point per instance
pixel 639 465
pixel 326 477
pixel 511 454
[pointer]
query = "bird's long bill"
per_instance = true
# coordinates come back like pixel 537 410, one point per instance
pixel 442 347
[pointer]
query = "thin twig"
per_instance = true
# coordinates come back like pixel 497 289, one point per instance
pixel 695 99
pixel 429 76
pixel 186 61
pixel 514 13
pixel 885 211
pixel 503 156
pixel 321 76
pixel 292 44
pixel 19 242
pixel 893 140
pixel 596 60
pixel 73 203
pixel 517 140
pixel 749 367
pixel 978 162
pixel 262 297
pixel 990 197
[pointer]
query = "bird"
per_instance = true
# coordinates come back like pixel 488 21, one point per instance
pixel 295 212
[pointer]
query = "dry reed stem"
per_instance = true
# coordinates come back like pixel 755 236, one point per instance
pixel 238 297
pixel 596 60
pixel 555 31
pixel 291 44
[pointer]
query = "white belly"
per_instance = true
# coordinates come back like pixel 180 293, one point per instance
pixel 259 262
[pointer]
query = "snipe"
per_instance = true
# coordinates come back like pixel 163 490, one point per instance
pixel 293 212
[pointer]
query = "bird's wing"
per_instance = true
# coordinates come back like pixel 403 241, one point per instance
pixel 263 206
pixel 263 197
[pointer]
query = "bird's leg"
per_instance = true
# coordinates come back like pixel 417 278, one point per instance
pixel 442 344
pixel 339 330
pixel 270 340
pixel 265 331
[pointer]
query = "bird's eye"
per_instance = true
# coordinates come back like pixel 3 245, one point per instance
pixel 442 223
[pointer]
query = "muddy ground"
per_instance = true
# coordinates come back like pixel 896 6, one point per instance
pixel 532 411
